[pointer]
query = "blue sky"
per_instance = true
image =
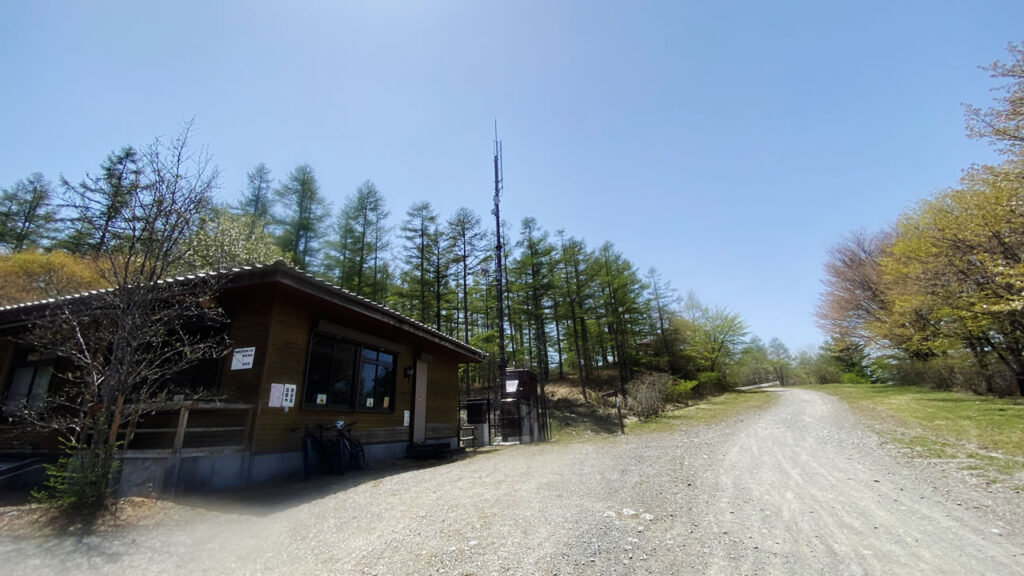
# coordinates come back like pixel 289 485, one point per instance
pixel 727 143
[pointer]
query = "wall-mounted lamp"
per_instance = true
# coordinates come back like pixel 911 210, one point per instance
pixel 409 371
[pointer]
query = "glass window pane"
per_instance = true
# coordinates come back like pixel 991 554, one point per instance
pixel 367 401
pixel 318 377
pixel 40 385
pixel 330 373
pixel 18 391
pixel 377 380
pixel 383 388
pixel 340 393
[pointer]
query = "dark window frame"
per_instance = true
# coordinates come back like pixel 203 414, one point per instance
pixel 353 403
pixel 31 400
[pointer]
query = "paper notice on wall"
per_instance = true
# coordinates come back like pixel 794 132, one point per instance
pixel 511 385
pixel 241 358
pixel 387 400
pixel 321 399
pixel 276 395
pixel 369 402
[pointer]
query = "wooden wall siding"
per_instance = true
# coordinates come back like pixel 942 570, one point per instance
pixel 443 393
pixel 7 350
pixel 251 313
pixel 293 316
pixel 16 438
pixel 437 431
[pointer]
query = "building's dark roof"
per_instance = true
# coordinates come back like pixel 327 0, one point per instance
pixel 282 271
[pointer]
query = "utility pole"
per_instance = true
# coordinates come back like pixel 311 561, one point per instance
pixel 502 364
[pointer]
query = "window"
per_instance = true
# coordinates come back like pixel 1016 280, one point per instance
pixel 29 383
pixel 346 376
pixel 375 381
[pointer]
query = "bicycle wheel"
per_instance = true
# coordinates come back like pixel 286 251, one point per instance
pixel 358 456
pixel 328 456
pixel 344 453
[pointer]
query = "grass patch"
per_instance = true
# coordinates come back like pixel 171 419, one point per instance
pixel 707 411
pixel 986 434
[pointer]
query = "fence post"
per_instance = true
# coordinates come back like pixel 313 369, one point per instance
pixel 179 441
pixel 179 436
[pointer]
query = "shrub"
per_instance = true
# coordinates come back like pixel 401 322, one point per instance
pixel 952 372
pixel 647 394
pixel 851 378
pixel 710 384
pixel 680 391
pixel 80 481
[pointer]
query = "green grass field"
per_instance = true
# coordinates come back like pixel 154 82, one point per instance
pixel 985 434
pixel 705 412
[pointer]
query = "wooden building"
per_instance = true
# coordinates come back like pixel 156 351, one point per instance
pixel 304 352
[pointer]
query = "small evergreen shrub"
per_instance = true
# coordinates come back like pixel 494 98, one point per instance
pixel 81 480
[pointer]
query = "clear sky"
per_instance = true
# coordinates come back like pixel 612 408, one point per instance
pixel 726 143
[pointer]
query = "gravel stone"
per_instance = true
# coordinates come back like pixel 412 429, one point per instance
pixel 787 490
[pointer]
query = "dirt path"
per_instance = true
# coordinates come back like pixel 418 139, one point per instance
pixel 799 488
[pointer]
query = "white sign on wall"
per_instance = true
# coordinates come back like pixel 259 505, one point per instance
pixel 282 396
pixel 241 358
pixel 276 395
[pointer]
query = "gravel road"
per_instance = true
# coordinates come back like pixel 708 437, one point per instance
pixel 798 488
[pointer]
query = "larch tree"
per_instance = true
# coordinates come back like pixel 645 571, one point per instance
pixel 622 310
pixel 356 257
pixel 664 303
pixel 257 202
pixel 421 239
pixel 28 217
pixel 573 256
pixel 98 203
pixel 303 212
pixel 534 268
pixel 466 238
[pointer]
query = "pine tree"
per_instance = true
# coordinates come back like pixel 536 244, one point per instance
pixel 356 259
pixel 29 217
pixel 304 212
pixel 257 201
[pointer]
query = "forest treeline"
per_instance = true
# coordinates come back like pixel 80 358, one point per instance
pixel 571 308
pixel 937 298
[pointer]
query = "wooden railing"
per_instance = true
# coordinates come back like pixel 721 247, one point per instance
pixel 192 428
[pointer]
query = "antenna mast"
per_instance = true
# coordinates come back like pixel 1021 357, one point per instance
pixel 498 187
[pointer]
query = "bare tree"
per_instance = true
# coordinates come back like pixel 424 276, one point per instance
pixel 1002 125
pixel 121 347
pixel 854 298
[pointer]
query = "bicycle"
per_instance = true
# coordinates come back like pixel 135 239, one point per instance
pixel 350 450
pixel 318 453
